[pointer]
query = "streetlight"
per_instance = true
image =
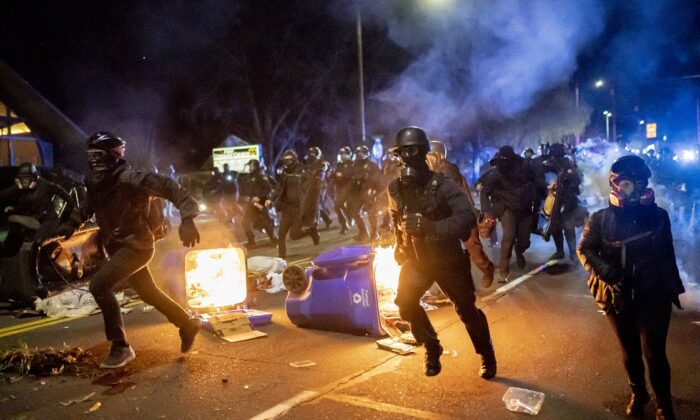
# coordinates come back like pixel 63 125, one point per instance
pixel 599 84
pixel 607 115
pixel 362 75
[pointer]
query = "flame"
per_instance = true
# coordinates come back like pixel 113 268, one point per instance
pixel 215 278
pixel 386 277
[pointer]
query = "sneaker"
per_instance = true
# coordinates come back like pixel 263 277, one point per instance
pixel 520 261
pixel 432 360
pixel 315 236
pixel 635 408
pixel 488 367
pixel 188 333
pixel 557 256
pixel 118 357
pixel 487 278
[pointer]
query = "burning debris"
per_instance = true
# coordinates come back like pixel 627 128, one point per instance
pixel 45 362
pixel 215 278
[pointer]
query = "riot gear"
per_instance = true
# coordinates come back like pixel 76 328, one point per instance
pixel 27 176
pixel 362 152
pixel 412 136
pixel 344 154
pixel 105 140
pixel 436 146
pixel 314 153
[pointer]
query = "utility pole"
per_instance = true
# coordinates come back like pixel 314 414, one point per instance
pixel 362 76
pixel 697 119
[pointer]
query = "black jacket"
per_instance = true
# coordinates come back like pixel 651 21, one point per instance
pixel 291 188
pixel 255 185
pixel 513 190
pixel 441 201
pixel 36 202
pixel 629 254
pixel 120 204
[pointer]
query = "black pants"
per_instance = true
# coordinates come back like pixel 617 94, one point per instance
pixel 128 265
pixel 340 207
pixel 570 234
pixel 642 332
pixel 355 207
pixel 516 234
pixel 456 282
pixel 252 218
pixel 290 223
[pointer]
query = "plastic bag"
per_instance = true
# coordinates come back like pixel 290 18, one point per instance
pixel 522 400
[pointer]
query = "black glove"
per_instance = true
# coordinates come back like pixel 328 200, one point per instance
pixel 66 231
pixel 188 232
pixel 612 275
pixel 417 225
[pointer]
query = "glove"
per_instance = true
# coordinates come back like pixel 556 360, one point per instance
pixel 611 274
pixel 66 231
pixel 417 225
pixel 188 232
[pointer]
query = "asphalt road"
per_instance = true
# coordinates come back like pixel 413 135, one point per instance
pixel 548 335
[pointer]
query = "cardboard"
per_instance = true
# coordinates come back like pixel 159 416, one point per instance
pixel 244 336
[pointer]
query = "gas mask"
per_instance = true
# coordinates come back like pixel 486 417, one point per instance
pixel 626 192
pixel 100 163
pixel 25 182
pixel 413 156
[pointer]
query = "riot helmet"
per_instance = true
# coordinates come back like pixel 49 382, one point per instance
pixel 528 153
pixel 344 154
pixel 557 151
pixel 27 176
pixel 412 146
pixel 313 154
pixel 629 181
pixel 104 150
pixel 289 159
pixel 254 166
pixel 362 152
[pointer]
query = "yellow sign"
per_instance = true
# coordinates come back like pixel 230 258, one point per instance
pixel 651 130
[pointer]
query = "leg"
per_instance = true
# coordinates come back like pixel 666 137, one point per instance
pixel 339 208
pixel 142 282
pixel 654 320
pixel 412 286
pixel 522 233
pixel 477 254
pixel 285 226
pixel 509 225
pixel 356 215
pixel 625 327
pixel 122 265
pixel 248 218
pixel 570 235
pixel 558 236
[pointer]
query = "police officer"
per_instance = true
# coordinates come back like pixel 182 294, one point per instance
pixel 32 196
pixel 230 193
pixel 565 221
pixel 289 196
pixel 255 193
pixel 628 250
pixel 341 180
pixel 214 193
pixel 432 216
pixel 508 193
pixel 437 161
pixel 119 197
pixel 364 188
pixel 313 206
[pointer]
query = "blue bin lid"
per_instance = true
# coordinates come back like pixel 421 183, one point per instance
pixel 343 255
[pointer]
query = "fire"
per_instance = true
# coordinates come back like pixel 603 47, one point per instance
pixel 386 276
pixel 215 278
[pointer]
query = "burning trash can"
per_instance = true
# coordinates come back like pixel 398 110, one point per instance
pixel 215 279
pixel 348 289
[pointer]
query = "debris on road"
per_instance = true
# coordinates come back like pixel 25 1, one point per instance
pixel 396 346
pixel 45 362
pixel 231 326
pixel 451 353
pixel 521 400
pixel 77 401
pixel 72 303
pixel 94 407
pixel 147 308
pixel 696 323
pixel 303 363
pixel 267 273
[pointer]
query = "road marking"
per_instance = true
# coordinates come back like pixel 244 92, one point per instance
pixel 512 284
pixel 383 407
pixel 47 322
pixel 286 405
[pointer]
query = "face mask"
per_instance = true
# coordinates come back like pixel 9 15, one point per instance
pixel 625 193
pixel 412 157
pixel 343 157
pixel 25 182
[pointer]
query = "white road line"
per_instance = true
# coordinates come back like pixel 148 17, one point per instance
pixel 512 284
pixel 281 408
pixel 383 407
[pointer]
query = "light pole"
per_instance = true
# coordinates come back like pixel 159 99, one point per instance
pixel 607 115
pixel 600 83
pixel 362 75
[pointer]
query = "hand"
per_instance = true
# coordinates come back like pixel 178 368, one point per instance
pixel 188 232
pixel 612 275
pixel 268 203
pixel 417 225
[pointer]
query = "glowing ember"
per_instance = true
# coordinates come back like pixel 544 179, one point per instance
pixel 386 276
pixel 215 278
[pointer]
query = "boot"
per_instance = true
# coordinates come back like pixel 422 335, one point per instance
pixel 639 398
pixel 520 261
pixel 488 366
pixel 344 230
pixel 664 409
pixel 487 278
pixel 432 359
pixel 557 255
pixel 314 235
pixel 188 333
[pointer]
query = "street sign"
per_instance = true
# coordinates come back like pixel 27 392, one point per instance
pixel 651 130
pixel 236 156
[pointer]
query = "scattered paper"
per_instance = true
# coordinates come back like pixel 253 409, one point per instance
pixel 79 400
pixel 244 336
pixel 395 346
pixel 302 363
pixel 147 308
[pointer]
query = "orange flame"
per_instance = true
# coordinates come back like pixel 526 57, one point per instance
pixel 215 278
pixel 386 277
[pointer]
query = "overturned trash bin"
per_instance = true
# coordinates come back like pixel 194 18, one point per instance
pixel 338 292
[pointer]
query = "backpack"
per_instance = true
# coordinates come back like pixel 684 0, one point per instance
pixel 155 218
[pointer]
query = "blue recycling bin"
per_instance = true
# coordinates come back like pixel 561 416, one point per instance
pixel 337 293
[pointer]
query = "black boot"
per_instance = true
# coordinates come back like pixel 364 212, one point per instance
pixel 664 409
pixel 488 366
pixel 639 398
pixel 432 365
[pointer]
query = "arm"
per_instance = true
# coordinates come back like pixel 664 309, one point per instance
pixel 164 187
pixel 461 219
pixel 488 184
pixel 670 254
pixel 589 250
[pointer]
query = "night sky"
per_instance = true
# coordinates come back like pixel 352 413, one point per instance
pixel 175 78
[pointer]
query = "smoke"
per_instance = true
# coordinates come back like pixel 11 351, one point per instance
pixel 481 59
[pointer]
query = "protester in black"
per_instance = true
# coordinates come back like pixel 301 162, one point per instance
pixel 255 195
pixel 119 198
pixel 431 216
pixel 628 250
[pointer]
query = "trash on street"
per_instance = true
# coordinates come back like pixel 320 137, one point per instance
pixel 522 400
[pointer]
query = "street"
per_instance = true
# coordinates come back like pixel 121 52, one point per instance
pixel 547 332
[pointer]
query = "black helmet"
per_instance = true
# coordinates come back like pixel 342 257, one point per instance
pixel 631 167
pixel 315 152
pixel 345 150
pixel 557 150
pixel 438 147
pixel 290 154
pixel 362 152
pixel 254 165
pixel 27 169
pixel 412 136
pixel 104 140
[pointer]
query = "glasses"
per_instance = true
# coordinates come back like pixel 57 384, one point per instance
pixel 406 151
